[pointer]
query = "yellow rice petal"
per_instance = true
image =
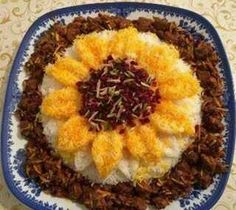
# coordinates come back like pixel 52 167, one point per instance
pixel 178 86
pixel 92 49
pixel 159 59
pixel 107 151
pixel 143 144
pixel 73 135
pixel 61 104
pixel 124 41
pixel 68 71
pixel 169 119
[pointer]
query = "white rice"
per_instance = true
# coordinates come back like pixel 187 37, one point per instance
pixel 50 128
pixel 126 168
pixel 49 84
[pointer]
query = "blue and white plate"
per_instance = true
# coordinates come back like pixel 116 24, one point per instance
pixel 12 144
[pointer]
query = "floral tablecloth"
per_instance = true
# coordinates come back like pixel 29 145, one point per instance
pixel 17 15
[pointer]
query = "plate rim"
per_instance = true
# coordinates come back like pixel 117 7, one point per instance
pixel 118 5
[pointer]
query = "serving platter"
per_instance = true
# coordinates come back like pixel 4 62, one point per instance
pixel 12 144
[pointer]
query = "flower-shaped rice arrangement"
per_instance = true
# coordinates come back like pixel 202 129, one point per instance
pixel 120 105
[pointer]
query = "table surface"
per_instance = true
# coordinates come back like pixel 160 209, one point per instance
pixel 17 15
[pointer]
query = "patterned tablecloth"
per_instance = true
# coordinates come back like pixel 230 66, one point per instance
pixel 17 15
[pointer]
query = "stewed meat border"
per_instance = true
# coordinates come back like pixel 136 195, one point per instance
pixel 199 163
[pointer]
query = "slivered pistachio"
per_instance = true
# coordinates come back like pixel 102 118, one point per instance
pixel 149 80
pixel 103 91
pixel 113 109
pixel 135 108
pixel 115 104
pixel 99 120
pixel 92 116
pixel 87 113
pixel 138 106
pixel 116 92
pixel 111 90
pixel 113 80
pixel 119 112
pixel 128 80
pixel 145 84
pixel 98 88
pixel 126 74
pixel 111 115
pixel 95 126
pixel 118 102
pixel 105 70
pixel 134 115
pixel 130 73
pixel 114 72
pixel 109 100
pixel 145 106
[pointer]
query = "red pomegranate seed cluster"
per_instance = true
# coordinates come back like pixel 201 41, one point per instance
pixel 119 93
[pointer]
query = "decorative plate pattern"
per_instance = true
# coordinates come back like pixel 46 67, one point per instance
pixel 12 145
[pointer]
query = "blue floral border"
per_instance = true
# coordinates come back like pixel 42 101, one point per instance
pixel 13 95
